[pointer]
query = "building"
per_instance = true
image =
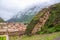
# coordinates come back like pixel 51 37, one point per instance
pixel 12 28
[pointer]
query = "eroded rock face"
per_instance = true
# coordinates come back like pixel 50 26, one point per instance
pixel 41 22
pixel 38 21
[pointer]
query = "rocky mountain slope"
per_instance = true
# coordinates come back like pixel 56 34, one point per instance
pixel 51 25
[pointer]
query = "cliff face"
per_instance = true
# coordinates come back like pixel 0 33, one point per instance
pixel 52 24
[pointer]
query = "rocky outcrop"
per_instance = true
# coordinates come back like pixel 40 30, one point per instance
pixel 41 22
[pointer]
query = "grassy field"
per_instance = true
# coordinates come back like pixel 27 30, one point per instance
pixel 2 37
pixel 37 37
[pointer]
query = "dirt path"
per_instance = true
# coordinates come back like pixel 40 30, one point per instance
pixel 57 38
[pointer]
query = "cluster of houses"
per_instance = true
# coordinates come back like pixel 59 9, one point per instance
pixel 12 28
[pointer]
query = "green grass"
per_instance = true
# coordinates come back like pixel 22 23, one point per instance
pixel 37 37
pixel 2 37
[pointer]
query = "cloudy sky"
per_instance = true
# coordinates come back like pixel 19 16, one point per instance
pixel 8 8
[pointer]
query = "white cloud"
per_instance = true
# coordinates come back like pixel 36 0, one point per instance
pixel 20 4
pixel 6 14
pixel 8 8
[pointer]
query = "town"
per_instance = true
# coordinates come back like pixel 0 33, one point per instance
pixel 12 28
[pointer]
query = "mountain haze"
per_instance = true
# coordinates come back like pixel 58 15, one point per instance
pixel 27 14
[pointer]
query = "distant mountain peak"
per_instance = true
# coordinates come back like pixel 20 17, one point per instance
pixel 26 15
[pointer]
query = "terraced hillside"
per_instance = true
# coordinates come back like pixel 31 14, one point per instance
pixel 52 24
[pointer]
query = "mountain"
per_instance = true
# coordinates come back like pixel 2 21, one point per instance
pixel 27 14
pixel 51 25
pixel 1 20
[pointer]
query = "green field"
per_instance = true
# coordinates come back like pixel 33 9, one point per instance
pixel 37 37
pixel 2 37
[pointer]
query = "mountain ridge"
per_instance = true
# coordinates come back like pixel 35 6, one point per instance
pixel 51 25
pixel 29 12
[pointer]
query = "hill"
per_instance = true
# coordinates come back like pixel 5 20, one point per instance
pixel 51 25
pixel 25 15
pixel 1 20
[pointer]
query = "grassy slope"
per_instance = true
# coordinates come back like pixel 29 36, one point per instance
pixel 42 37
pixel 37 37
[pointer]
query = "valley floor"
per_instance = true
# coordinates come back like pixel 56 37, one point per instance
pixel 51 36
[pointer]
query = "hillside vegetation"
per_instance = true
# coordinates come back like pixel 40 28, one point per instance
pixel 51 25
pixel 1 20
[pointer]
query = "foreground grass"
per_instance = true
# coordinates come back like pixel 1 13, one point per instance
pixel 2 37
pixel 37 37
